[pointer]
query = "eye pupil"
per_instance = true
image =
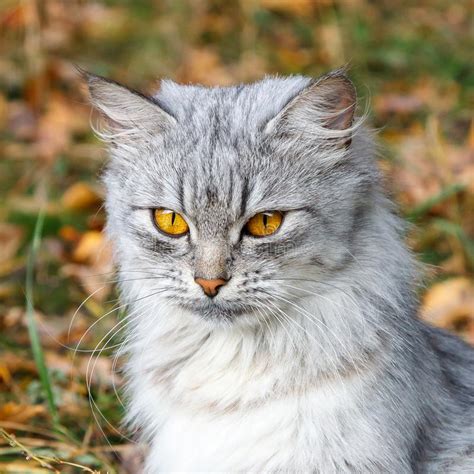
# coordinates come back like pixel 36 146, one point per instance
pixel 170 222
pixel 264 223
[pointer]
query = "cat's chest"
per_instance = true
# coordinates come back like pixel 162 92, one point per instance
pixel 216 410
pixel 306 433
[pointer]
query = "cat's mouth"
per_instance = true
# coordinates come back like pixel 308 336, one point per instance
pixel 217 310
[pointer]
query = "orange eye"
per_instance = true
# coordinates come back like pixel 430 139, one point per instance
pixel 264 223
pixel 170 222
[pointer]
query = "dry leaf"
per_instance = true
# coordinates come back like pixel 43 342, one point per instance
pixel 95 280
pixel 428 164
pixel 21 121
pixel 204 67
pixel 397 104
pixel 10 241
pixel 7 289
pixel 20 413
pixel 69 234
pixel 103 22
pixel 80 196
pixel 18 467
pixel 56 128
pixel 94 257
pixel 332 48
pixel 5 374
pixel 13 17
pixel 3 111
pixel 91 248
pixel 13 316
pixel 296 7
pixel 97 369
pixel 450 304
pixel 15 363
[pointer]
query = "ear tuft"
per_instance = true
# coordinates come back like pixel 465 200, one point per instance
pixel 126 111
pixel 337 96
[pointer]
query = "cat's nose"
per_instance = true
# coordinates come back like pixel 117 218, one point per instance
pixel 210 287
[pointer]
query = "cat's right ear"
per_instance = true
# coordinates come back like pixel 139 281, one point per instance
pixel 125 110
pixel 323 109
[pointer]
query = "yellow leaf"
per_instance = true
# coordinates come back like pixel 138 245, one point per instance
pixel 80 196
pixel 450 304
pixel 204 66
pixel 22 468
pixel 3 111
pixel 20 413
pixel 296 7
pixel 5 374
pixel 94 264
pixel 90 247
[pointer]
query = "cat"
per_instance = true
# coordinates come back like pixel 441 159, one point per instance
pixel 271 300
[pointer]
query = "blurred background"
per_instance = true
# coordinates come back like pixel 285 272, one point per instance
pixel 412 64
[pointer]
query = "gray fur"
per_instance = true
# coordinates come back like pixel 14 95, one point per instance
pixel 331 296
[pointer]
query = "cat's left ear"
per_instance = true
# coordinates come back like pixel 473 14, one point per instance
pixel 125 109
pixel 325 108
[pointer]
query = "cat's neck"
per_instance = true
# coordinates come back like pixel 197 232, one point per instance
pixel 223 368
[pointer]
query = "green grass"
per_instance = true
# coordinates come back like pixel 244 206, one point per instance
pixel 36 347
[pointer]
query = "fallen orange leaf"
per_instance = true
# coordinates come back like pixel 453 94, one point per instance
pixel 94 256
pixel 80 196
pixel 450 304
pixel 90 248
pixel 296 7
pixel 20 413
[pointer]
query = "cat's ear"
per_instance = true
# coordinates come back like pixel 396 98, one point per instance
pixel 126 110
pixel 326 105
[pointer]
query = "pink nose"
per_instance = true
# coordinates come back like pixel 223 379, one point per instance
pixel 210 287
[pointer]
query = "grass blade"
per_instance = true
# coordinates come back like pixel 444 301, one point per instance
pixel 458 232
pixel 423 208
pixel 35 342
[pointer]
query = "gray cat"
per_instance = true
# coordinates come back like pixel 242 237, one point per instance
pixel 272 303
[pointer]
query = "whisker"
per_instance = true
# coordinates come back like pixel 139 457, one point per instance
pixel 312 280
pixel 267 324
pixel 314 321
pixel 326 299
pixel 161 290
pixel 121 280
pixel 311 318
pixel 78 309
pixel 90 371
pixel 94 324
pixel 282 321
pixel 393 321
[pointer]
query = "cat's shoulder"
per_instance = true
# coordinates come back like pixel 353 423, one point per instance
pixel 450 348
pixel 454 452
pixel 455 359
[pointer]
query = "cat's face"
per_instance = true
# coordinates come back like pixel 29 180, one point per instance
pixel 224 201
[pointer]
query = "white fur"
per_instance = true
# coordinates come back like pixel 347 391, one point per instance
pixel 256 398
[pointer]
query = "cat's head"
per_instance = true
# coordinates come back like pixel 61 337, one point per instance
pixel 226 200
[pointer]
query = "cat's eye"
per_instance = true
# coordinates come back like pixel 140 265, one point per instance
pixel 264 223
pixel 170 222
